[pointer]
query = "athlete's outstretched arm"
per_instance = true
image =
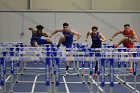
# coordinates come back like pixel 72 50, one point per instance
pixel 135 37
pixel 102 37
pixel 88 33
pixel 58 30
pixel 33 31
pixel 77 34
pixel 119 32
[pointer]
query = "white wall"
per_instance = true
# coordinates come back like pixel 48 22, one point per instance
pixel 12 24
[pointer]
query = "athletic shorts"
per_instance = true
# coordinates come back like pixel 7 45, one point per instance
pixel 39 41
pixel 128 44
pixel 67 43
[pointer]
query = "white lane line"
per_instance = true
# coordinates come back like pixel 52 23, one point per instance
pixel 97 85
pixel 8 78
pixel 128 85
pixel 33 87
pixel 67 89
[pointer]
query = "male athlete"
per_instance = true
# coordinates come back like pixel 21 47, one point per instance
pixel 67 39
pixel 36 36
pixel 97 39
pixel 128 40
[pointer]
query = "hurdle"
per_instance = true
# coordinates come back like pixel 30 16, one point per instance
pixel 118 53
pixel 6 48
pixel 53 59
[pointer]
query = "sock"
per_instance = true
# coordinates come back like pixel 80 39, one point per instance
pixel 67 68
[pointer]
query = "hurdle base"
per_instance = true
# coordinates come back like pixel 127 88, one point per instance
pixel 119 83
pixel 88 82
pixel 21 73
pixel 124 83
pixel 83 82
pixel 17 81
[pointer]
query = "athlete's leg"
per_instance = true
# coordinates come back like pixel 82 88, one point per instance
pixel 96 68
pixel 33 43
pixel 43 41
pixel 121 42
pixel 61 40
pixel 48 41
pixel 130 63
pixel 68 60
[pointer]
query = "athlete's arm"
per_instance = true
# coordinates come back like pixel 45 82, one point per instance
pixel 33 31
pixel 58 30
pixel 77 34
pixel 135 37
pixel 88 33
pixel 102 37
pixel 119 32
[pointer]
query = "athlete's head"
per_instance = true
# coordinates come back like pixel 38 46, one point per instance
pixel 65 26
pixel 94 28
pixel 39 29
pixel 126 27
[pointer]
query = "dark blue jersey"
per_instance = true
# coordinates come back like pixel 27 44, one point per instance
pixel 35 36
pixel 68 39
pixel 96 42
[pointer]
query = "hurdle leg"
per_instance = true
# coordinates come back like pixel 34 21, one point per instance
pixel 12 75
pixel 103 73
pixel 83 72
pixel 56 73
pixel 98 75
pixel 111 75
pixel 125 65
pixel 77 67
pixel 134 73
pixel 17 73
pixel 22 67
pixel 89 73
pixel 53 71
pixel 3 75
pixel 48 84
pixel 138 68
pixel 74 67
pixel 119 66
pixel 2 81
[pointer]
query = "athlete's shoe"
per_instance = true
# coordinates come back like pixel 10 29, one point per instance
pixel 130 70
pixel 115 45
pixel 94 75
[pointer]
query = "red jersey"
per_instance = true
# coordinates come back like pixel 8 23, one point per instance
pixel 128 33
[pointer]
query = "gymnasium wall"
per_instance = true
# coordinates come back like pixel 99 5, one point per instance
pixel 70 4
pixel 14 25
